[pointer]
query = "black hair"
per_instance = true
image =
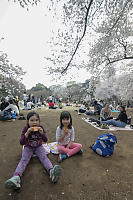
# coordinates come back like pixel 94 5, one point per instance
pixel 95 102
pixel 123 107
pixel 11 101
pixel 30 114
pixel 65 115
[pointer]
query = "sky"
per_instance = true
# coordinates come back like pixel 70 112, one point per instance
pixel 26 36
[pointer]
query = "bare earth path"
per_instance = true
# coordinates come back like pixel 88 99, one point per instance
pixel 86 177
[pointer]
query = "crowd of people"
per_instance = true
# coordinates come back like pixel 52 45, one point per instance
pixel 104 113
pixel 11 106
pixel 85 108
pixel 30 102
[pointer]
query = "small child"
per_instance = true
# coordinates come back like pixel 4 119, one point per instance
pixel 32 136
pixel 65 138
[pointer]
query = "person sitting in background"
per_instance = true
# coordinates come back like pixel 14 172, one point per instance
pixel 60 104
pixel 16 100
pixel 12 107
pixel 111 107
pixel 97 108
pixel 3 104
pixel 105 113
pixel 82 108
pixel 30 105
pixel 88 111
pixel 51 105
pixel 120 121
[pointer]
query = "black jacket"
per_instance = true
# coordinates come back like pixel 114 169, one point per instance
pixel 122 117
pixel 3 105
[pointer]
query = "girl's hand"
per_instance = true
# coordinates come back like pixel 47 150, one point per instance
pixel 66 130
pixel 40 130
pixel 68 146
pixel 29 131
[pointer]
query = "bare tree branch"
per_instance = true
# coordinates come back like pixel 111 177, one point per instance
pixel 117 60
pixel 87 12
pixel 124 46
pixel 125 57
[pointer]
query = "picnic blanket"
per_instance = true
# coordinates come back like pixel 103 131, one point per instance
pixel 115 111
pixel 53 147
pixel 111 127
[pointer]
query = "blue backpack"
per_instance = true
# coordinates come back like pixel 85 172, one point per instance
pixel 104 144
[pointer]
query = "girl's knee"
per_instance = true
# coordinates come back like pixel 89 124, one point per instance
pixel 79 145
pixel 60 148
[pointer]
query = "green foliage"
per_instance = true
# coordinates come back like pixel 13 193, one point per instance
pixel 39 87
pixel 39 90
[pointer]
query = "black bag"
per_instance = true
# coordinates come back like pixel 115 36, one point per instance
pixel 21 117
pixel 94 120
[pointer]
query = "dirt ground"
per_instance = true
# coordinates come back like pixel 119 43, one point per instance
pixel 86 177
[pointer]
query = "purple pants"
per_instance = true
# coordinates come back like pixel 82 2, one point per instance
pixel 27 153
pixel 73 149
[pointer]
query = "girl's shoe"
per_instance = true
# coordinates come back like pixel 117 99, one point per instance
pixel 80 152
pixel 13 183
pixel 62 157
pixel 55 173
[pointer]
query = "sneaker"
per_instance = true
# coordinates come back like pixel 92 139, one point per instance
pixel 80 152
pixel 55 173
pixel 13 183
pixel 98 125
pixel 62 157
pixel 129 120
pixel 94 123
